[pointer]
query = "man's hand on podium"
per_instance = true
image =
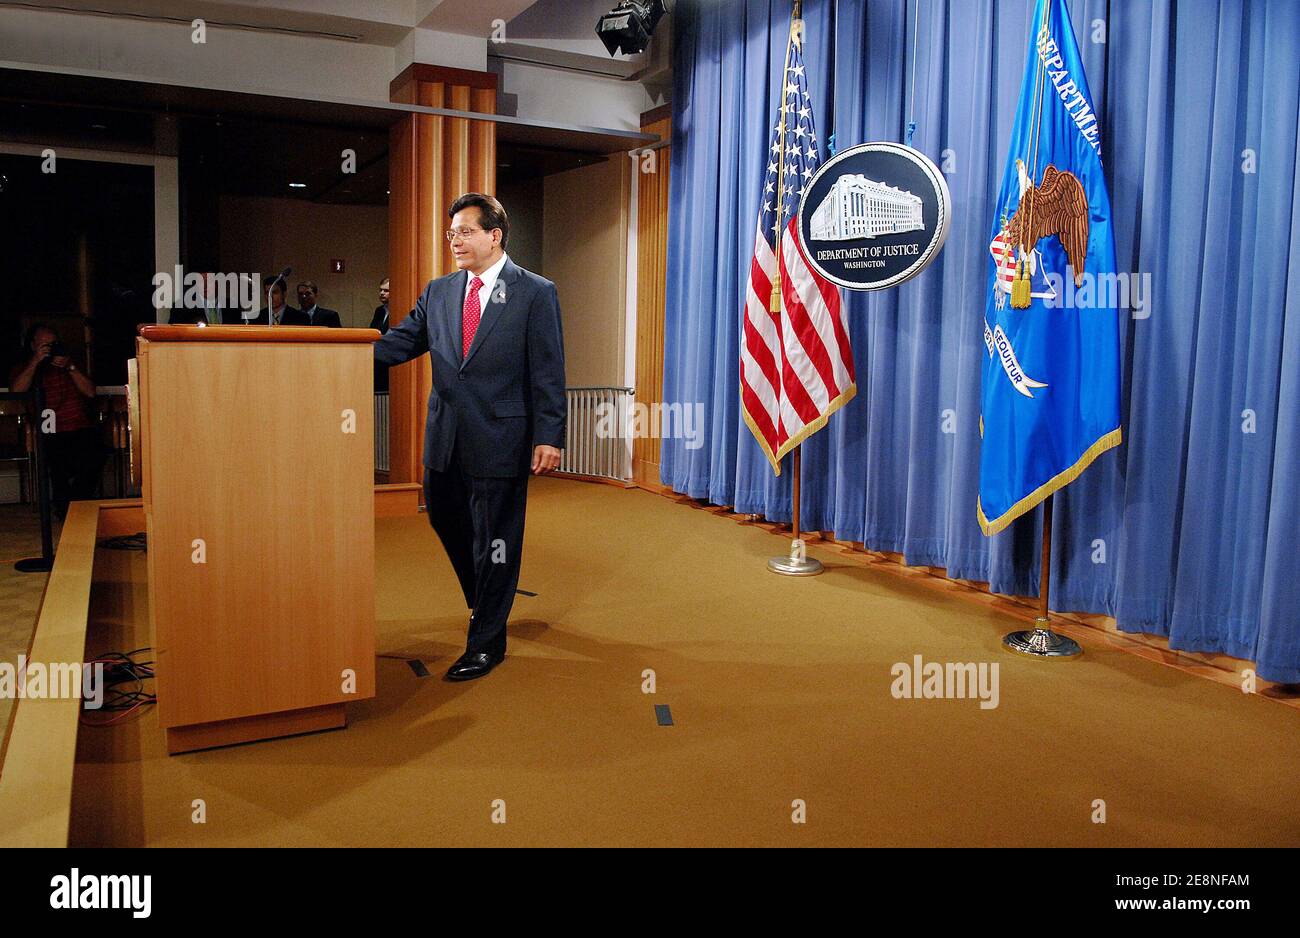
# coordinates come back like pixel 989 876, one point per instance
pixel 545 459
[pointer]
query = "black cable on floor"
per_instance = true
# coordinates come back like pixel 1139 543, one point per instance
pixel 123 686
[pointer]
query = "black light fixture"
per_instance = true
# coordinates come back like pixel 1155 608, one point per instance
pixel 628 26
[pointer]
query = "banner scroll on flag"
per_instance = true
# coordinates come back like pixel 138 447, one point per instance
pixel 1050 398
pixel 796 365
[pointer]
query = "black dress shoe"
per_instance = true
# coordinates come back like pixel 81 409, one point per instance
pixel 474 664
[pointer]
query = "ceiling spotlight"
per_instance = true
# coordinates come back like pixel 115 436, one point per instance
pixel 628 26
pixel 297 185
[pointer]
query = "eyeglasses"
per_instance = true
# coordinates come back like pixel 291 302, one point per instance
pixel 461 233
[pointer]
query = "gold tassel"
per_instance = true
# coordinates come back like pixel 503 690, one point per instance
pixel 1020 287
pixel 774 302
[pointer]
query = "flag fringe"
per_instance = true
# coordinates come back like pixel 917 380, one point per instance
pixel 1058 481
pixel 774 459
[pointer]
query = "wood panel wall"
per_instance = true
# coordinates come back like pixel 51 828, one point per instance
pixel 651 281
pixel 432 160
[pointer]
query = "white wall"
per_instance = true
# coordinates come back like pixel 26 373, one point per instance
pixel 233 59
pixel 567 97
pixel 430 46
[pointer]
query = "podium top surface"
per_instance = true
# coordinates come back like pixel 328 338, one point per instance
pixel 312 334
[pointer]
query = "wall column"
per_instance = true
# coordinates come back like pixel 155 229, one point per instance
pixel 431 160
pixel 651 281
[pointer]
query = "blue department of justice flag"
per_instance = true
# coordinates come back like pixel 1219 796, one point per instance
pixel 1050 398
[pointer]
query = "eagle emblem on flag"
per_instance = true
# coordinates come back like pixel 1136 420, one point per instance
pixel 1056 206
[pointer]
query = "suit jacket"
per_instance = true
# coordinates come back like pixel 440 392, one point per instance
pixel 507 396
pixel 287 318
pixel 182 316
pixel 323 317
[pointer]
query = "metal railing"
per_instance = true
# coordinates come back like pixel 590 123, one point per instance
pixel 114 425
pixel 596 443
pixel 109 411
pixel 381 431
pixel 34 399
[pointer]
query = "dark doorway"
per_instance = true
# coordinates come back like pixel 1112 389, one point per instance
pixel 77 249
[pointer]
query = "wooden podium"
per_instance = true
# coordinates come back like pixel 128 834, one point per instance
pixel 257 462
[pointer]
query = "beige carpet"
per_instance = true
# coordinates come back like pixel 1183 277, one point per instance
pixel 779 690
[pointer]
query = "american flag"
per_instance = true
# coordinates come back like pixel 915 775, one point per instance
pixel 796 366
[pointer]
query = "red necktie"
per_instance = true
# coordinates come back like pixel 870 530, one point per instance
pixel 470 317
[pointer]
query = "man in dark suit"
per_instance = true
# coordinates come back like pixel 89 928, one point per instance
pixel 207 316
pixel 379 321
pixel 310 314
pixel 184 316
pixel 380 318
pixel 204 307
pixel 497 410
pixel 283 314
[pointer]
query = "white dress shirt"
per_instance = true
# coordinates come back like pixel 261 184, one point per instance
pixel 489 278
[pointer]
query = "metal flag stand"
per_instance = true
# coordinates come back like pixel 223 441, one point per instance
pixel 798 563
pixel 1041 641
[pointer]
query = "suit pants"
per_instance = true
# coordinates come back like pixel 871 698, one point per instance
pixel 480 522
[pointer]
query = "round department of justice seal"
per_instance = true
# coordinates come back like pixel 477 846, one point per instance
pixel 874 215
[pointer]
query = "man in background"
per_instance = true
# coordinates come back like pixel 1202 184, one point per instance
pixel 208 312
pixel 311 314
pixel 379 321
pixel 281 314
pixel 380 318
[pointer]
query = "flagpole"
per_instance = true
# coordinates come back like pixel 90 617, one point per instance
pixel 798 563
pixel 1041 641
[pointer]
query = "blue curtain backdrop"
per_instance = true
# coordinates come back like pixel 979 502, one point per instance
pixel 1187 530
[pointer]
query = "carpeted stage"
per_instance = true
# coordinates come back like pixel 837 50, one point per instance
pixel 779 690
